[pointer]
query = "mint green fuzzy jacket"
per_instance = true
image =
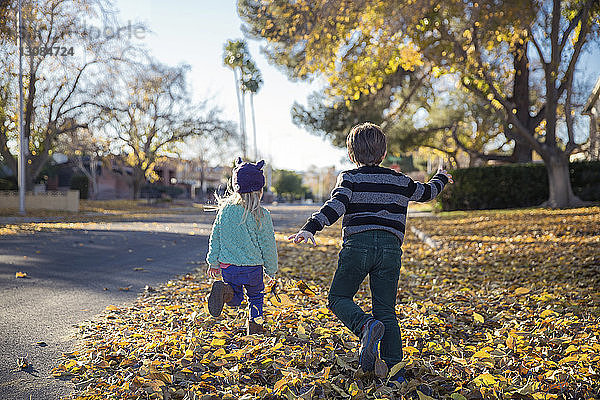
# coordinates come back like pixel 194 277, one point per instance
pixel 242 243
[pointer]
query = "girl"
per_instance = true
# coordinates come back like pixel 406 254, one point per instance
pixel 242 245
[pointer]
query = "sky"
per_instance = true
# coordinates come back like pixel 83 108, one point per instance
pixel 194 32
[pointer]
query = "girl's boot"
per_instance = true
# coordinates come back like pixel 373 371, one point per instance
pixel 254 328
pixel 220 294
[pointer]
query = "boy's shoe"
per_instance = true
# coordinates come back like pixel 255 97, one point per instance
pixel 371 335
pixel 255 328
pixel 220 294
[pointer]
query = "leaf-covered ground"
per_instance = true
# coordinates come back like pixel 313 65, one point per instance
pixel 507 308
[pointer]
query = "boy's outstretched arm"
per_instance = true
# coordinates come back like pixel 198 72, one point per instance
pixel 428 191
pixel 331 211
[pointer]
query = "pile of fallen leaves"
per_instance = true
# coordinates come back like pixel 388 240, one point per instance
pixel 508 307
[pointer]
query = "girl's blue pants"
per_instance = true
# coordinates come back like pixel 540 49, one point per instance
pixel 249 278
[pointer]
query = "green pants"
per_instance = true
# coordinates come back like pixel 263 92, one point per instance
pixel 375 253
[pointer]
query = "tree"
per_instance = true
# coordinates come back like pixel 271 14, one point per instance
pixel 234 57
pixel 487 45
pixel 288 183
pixel 332 116
pixel 248 79
pixel 211 150
pixel 152 113
pixel 252 82
pixel 87 151
pixel 60 82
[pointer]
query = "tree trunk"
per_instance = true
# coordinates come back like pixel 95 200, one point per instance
pixel 253 126
pixel 559 182
pixel 138 182
pixel 522 151
pixel 240 110
pixel 520 97
pixel 94 178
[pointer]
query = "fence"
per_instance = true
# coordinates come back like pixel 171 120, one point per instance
pixel 64 201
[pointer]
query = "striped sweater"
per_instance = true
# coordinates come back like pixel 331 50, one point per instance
pixel 372 197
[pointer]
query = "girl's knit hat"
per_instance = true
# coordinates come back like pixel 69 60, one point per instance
pixel 248 177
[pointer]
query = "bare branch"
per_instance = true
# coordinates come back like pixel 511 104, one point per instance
pixel 576 49
pixel 580 15
pixel 538 48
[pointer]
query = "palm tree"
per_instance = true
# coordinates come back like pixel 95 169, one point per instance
pixel 235 56
pixel 252 83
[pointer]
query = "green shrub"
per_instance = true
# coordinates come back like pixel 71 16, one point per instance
pixel 81 183
pixel 156 191
pixel 514 186
pixel 8 183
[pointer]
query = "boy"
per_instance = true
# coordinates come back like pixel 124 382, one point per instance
pixel 374 202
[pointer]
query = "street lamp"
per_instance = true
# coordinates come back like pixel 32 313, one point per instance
pixel 22 144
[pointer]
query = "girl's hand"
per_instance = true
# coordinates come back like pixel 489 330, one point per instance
pixel 269 280
pixel 303 236
pixel 213 272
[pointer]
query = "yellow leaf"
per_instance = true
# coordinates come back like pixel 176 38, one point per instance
pixel 220 352
pixel 302 332
pixel 190 353
pixel 482 354
pixel 567 360
pixel 280 383
pixel 410 350
pixel 281 300
pixel 304 288
pixel 478 318
pixel 162 377
pixel 277 346
pixel 485 380
pixel 571 349
pixel 21 275
pixel 217 342
pixel 522 290
pixel 547 313
pixel 396 368
pixel 112 308
pixel 510 342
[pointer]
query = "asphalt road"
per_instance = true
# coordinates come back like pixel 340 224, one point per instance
pixel 76 271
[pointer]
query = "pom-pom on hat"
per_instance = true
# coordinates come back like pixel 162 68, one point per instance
pixel 248 177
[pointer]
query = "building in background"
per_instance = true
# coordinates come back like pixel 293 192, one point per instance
pixel 198 180
pixel 176 178
pixel 320 182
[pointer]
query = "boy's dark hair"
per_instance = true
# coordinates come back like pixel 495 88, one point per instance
pixel 366 144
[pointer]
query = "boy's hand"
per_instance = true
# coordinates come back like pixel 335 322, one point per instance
pixel 213 272
pixel 442 171
pixel 303 236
